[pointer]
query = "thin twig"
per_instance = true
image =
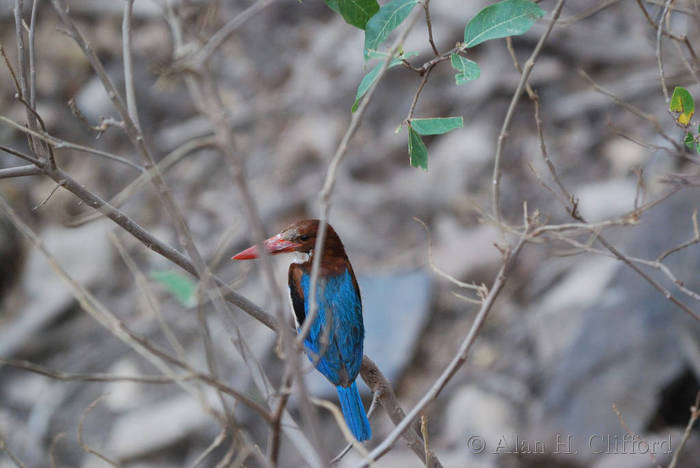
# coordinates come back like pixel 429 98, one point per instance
pixel 694 415
pixel 105 318
pixel 21 155
pixel 11 69
pixel 412 109
pixel 426 7
pixel 527 69
pixel 276 430
pixel 426 438
pixel 48 197
pixel 341 423
pixel 89 377
pixel 20 171
pixel 372 407
pixel 206 97
pixel 572 207
pixel 229 28
pixel 146 238
pixel 54 443
pixel 633 109
pixel 164 164
pixel 693 241
pixel 653 24
pixel 480 290
pixel 128 67
pixel 32 57
pixel 6 449
pixel 630 432
pixel 659 60
pixel 213 446
pixel 84 444
pixel 587 13
pixel 149 298
pixel 61 144
pixel 215 111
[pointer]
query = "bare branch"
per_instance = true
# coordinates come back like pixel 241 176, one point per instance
pixel 694 415
pixel 6 449
pixel 32 55
pixel 693 241
pixel 457 361
pixel 128 67
pixel 90 377
pixel 105 318
pixel 372 407
pixel 426 7
pixel 84 444
pixel 633 109
pixel 659 61
pixel 19 154
pixel 529 65
pixel 164 165
pixel 60 144
pixel 426 75
pixel 213 446
pixel 54 443
pixel 229 28
pixel 481 290
pixel 20 171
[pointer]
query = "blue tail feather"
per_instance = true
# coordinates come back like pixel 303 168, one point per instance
pixel 354 412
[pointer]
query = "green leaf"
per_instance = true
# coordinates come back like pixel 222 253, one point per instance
pixel 689 140
pixel 333 5
pixel 468 69
pixel 179 285
pixel 386 20
pixel 682 101
pixel 417 150
pixel 502 19
pixel 697 148
pixel 436 126
pixel 357 12
pixel 372 75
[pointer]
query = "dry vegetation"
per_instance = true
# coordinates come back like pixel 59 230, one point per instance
pixel 556 291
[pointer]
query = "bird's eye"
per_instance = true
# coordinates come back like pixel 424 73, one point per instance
pixel 304 237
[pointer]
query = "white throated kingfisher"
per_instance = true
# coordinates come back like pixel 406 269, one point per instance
pixel 334 342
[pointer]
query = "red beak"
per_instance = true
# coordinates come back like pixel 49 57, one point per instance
pixel 273 245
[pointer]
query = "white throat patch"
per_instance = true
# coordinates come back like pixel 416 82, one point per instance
pixel 301 257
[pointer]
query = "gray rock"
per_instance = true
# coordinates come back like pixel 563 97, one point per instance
pixel 555 320
pixel 475 412
pixel 628 347
pixel 396 308
pixel 603 200
pixel 460 251
pixel 84 252
pixel 145 430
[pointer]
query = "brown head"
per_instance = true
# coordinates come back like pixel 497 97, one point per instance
pixel 299 237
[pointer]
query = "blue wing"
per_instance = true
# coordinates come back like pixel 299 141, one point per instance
pixel 340 319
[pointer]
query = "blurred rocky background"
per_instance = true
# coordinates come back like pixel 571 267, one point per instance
pixel 573 333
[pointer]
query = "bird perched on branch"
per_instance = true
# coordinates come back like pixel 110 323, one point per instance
pixel 334 342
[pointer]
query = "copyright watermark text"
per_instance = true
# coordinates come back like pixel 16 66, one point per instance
pixel 567 444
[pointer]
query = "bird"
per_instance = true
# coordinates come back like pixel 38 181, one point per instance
pixel 335 341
